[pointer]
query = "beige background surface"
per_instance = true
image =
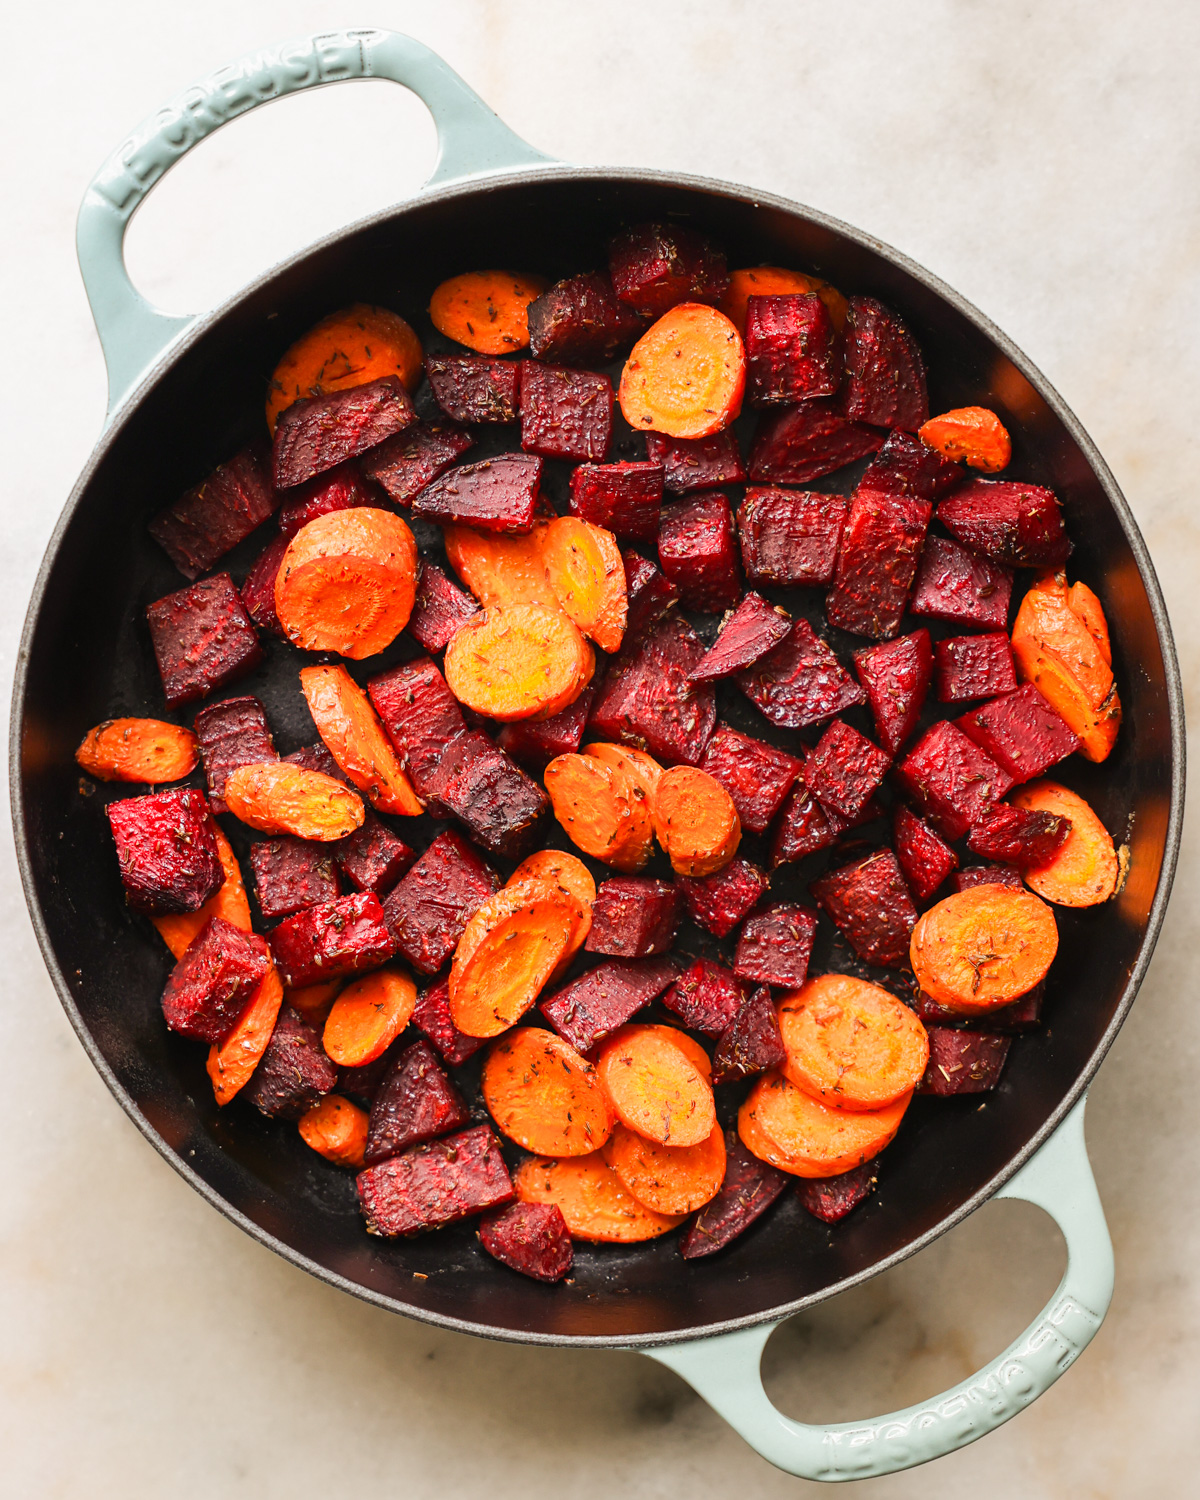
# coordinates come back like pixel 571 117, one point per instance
pixel 1042 159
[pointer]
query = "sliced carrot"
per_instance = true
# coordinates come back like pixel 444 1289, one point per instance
pixel 486 310
pixel 347 582
pixel 278 797
pixel 1086 869
pixel 500 569
pixel 355 738
pixel 229 903
pixel 851 1044
pixel 146 750
pixel 592 1199
pixel 686 375
pixel 787 1127
pixel 655 1088
pixel 544 1096
pixel 668 1179
pixel 696 821
pixel 514 661
pixel 231 1062
pixel 584 569
pixel 337 1129
pixel 642 769
pixel 983 947
pixel 368 1016
pixel 315 1001
pixel 1084 605
pixel 559 869
pixel 350 347
pixel 688 1045
pixel 600 810
pixel 774 281
pixel 971 434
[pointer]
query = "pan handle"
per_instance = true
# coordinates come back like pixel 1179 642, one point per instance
pixel 133 334
pixel 725 1370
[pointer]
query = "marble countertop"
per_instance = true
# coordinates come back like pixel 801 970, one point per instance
pixel 1043 160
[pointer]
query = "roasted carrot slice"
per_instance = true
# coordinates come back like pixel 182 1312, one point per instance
pixel 851 1044
pixel 642 769
pixel 231 1063
pixel 350 347
pixel 147 750
pixel 337 1129
pixel 787 1127
pixel 486 310
pixel 686 374
pixel 368 1016
pixel 600 810
pixel 688 1045
pixel 559 869
pixel 1087 869
pixel 347 582
pixel 774 281
pixel 544 1096
pixel 514 661
pixel 668 1179
pixel 355 738
pixel 971 434
pixel 278 797
pixel 696 821
pixel 315 1001
pixel 655 1087
pixel 500 569
pixel 592 1198
pixel 983 947
pixel 584 568
pixel 229 902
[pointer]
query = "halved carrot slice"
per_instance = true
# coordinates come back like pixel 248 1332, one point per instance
pixel 229 903
pixel 517 660
pixel 688 1045
pixel 337 1129
pixel 983 947
pixel 352 346
pixel 668 1179
pixel 655 1087
pixel 486 310
pixel 146 750
pixel 686 374
pixel 592 1199
pixel 355 738
pixel 600 810
pixel 584 568
pixel 559 869
pixel 642 769
pixel 368 1016
pixel 774 281
pixel 696 822
pixel 500 569
pixel 851 1044
pixel 544 1096
pixel 231 1063
pixel 278 797
pixel 973 434
pixel 787 1127
pixel 1087 869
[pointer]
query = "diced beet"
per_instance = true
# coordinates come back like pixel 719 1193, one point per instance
pixel 291 874
pixel 435 1184
pixel 719 902
pixel 954 584
pixel 1019 836
pixel 963 1062
pixel 800 682
pixel 869 903
pixel 975 875
pixel 314 435
pixel 414 458
pixel 885 375
pixel 496 494
pixel 431 1015
pixel 954 780
pixel 790 349
pixel 752 1041
pixel 696 463
pixel 896 675
pixel 428 910
pixel 455 757
pixel 624 498
pixel 342 488
pixel 801 443
pixel 1021 733
pixel 907 466
pixel 212 519
pixel 747 632
pixel 363 1083
pixel 439 609
pixel 581 321
pixel 634 917
pixel 166 851
pixel 416 1102
pixel 750 1187
pixel 420 714
pixel 477 783
pixel 1023 1014
pixel 475 387
pixel 656 266
pixel 650 595
pixel 232 733
pixel 804 827
pixel 706 997
pixel 647 700
pixel 293 1073
pixel 776 944
pixel 974 666
pixel 258 591
pixel 830 1199
pixel 757 776
pixel 881 547
pixel 1017 524
pixel 926 859
pixel 592 1007
pixel 372 858
pixel 536 742
pixel 790 536
pixel 531 1238
pixel 213 982
pixel 845 770
pixel 565 413
pixel 202 638
pixel 317 758
pixel 341 937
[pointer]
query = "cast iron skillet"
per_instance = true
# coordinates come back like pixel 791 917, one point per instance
pixel 85 657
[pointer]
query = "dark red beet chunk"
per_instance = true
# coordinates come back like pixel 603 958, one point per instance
pixel 499 805
pixel 881 547
pixel 845 770
pixel 963 1062
pixel 830 1199
pixel 415 1102
pixel 581 321
pixel 776 944
pixel 987 875
pixel 804 827
pixel 757 776
pixel 232 733
pixel 926 859
pixel 293 1073
pixel 885 375
pixel 634 917
pixel 362 1084
pixel 696 463
pixel 974 666
pixel 1019 525
pixel 647 700
pixel 656 266
pixel 531 1238
pixel 719 902
pixel 954 780
pixel 475 387
pixel 1021 733
pixel 1019 836
pixel 435 1184
pixel 342 488
pixel 752 1042
pixel 432 1016
pixel 346 936
pixel 624 498
pixel 317 758
pixel 458 754
pixel 202 638
pixel 565 413
pixel 496 494
pixel 440 608
pixel 315 435
pixel 372 858
pixel 954 584
pixel 748 632
pixel 896 675
pixel 651 596
pixel 800 682
pixel 291 874
pixel 801 443
pixel 420 714
pixel 212 519
pixel 1022 1015
pixel 536 742
pixel 868 902
pixel 907 466
pixel 790 536
pixel 706 997
pixel 600 1002
pixel 213 982
pixel 406 463
pixel 697 548
pixel 427 911
pixel 749 1189
pixel 790 349
pixel 166 850
pixel 258 591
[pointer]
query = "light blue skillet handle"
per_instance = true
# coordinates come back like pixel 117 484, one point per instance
pixel 725 1370
pixel 471 141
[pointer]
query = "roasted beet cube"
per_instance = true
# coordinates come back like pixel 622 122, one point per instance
pixel 954 780
pixel 440 608
pixel 1021 733
pixel 975 875
pixel 496 494
pixel 493 798
pixel 656 266
pixel 213 982
pixel 790 349
pixel 372 858
pixel 414 1103
pixel 455 757
pixel 800 682
pixel 317 758
pixel 581 321
pixel 431 1015
pixel 166 851
pixel 531 1238
pixel 650 595
pixel 648 700
pixel 885 375
pixel 954 584
pixel 801 443
pixel 845 770
pixel 926 859
pixel 747 632
pixel 202 638
pixel 363 1083
pixel 830 1199
pixel 291 874
pixel 757 776
pixel 435 1184
pixel 342 488
pixel 907 466
pixel 896 675
pixel 804 827
pixel 475 387
pixel 624 498
pixel 634 917
pixel 963 1062
pixel 258 591
pixel 420 714
pixel 600 1002
pixel 881 547
pixel 1019 836
pixel 565 413
pixel 790 536
pixel 406 463
pixel 293 1073
pixel 325 942
pixel 974 666
pixel 1016 524
pixel 232 733
pixel 212 519
pixel 776 944
pixel 868 902
pixel 318 434
pixel 536 742
pixel 428 909
pixel 1023 1014
pixel 749 1189
pixel 719 902
pixel 752 1042
pixel 706 997
pixel 696 463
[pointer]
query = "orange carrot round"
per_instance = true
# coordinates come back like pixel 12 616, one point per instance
pixel 278 797
pixel 500 569
pixel 686 375
pixel 642 769
pixel 356 739
pixel 851 1044
pixel 315 1001
pixel 696 821
pixel 600 810
pixel 774 281
pixel 1086 870
pixel 559 869
pixel 787 1127
pixel 337 1129
pixel 655 1088
pixel 368 1016
pixel 544 1096
pixel 231 1062
pixel 351 347
pixel 983 947
pixel 668 1179
pixel 971 434
pixel 486 310
pixel 146 750
pixel 180 930
pixel 584 568
pixel 688 1045
pixel 515 661
pixel 592 1199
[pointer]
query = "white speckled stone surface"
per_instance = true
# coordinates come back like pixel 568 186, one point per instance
pixel 1043 160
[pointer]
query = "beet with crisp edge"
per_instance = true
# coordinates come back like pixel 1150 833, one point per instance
pixel 634 917
pixel 431 1015
pixel 974 666
pixel 565 413
pixel 346 936
pixel 719 902
pixel 647 699
pixel 926 859
pixel 975 875
pixel 581 320
pixel 696 463
pixel 963 1062
pixel 536 742
pixel 798 444
pixel 414 458
pixel 775 945
pixel 654 267
pixel 752 1041
pixel 202 638
pixel 757 776
pixel 706 997
pixel 885 375
pixel 845 770
pixel 293 1073
pixel 291 874
pixel 317 434
pixel 954 780
pixel 897 675
pixel 415 1102
pixel 954 584
pixel 500 806
pixel 1016 524
pixel 439 609
pixel 650 596
pixel 166 851
pixel 747 632
pixel 750 1188
pixel 697 550
pixel 232 733
pixel 531 1238
pixel 624 498
pixel 213 982
pixel 1021 733
pixel 881 547
pixel 475 387
pixel 342 488
pixel 213 518
pixel 869 903
pixel 800 682
pixel 372 858
pixel 421 716
pixel 1019 836
pixel 435 1184
pixel 790 349
pixel 830 1199
pixel 790 536
pixel 495 494
pixel 432 904
pixel 600 1002
pixel 907 466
